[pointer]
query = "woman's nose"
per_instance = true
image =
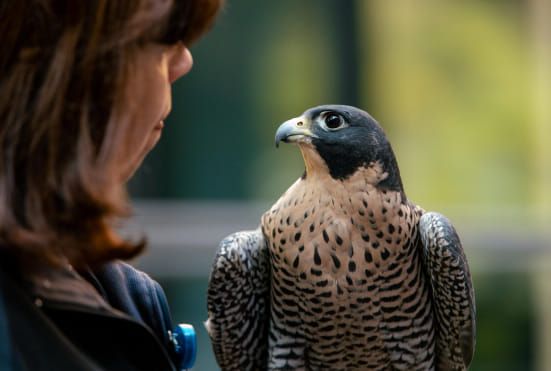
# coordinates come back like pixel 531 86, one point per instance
pixel 180 62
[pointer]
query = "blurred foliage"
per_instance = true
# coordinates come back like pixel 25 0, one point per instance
pixel 452 83
pixel 505 322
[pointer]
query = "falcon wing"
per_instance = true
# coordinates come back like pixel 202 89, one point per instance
pixel 238 300
pixel 452 292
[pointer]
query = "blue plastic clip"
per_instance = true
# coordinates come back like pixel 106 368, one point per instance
pixel 185 345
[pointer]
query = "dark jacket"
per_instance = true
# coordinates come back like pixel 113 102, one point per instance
pixel 115 318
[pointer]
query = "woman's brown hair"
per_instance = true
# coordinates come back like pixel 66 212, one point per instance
pixel 63 72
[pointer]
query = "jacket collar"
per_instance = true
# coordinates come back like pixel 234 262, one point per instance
pixel 63 285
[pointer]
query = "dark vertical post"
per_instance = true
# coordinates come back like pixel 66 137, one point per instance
pixel 344 19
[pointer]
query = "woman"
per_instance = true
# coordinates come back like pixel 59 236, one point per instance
pixel 84 90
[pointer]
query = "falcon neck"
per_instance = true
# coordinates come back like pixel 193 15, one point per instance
pixel 315 166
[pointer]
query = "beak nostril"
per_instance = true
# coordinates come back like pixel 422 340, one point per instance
pixel 299 123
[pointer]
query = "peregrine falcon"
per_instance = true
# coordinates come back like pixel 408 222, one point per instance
pixel 344 272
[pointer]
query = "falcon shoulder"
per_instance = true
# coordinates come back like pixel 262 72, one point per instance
pixel 452 292
pixel 238 300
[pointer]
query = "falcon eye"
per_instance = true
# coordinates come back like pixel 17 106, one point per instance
pixel 333 121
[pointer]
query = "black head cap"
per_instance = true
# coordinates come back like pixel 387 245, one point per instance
pixel 348 138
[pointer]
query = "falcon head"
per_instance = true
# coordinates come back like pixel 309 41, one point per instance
pixel 341 140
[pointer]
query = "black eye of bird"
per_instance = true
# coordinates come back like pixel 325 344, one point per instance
pixel 333 121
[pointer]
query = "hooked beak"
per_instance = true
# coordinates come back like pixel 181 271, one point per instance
pixel 294 130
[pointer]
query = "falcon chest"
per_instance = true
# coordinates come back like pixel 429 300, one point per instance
pixel 343 262
pixel 344 231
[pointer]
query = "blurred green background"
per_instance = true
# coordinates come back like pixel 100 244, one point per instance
pixel 463 90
